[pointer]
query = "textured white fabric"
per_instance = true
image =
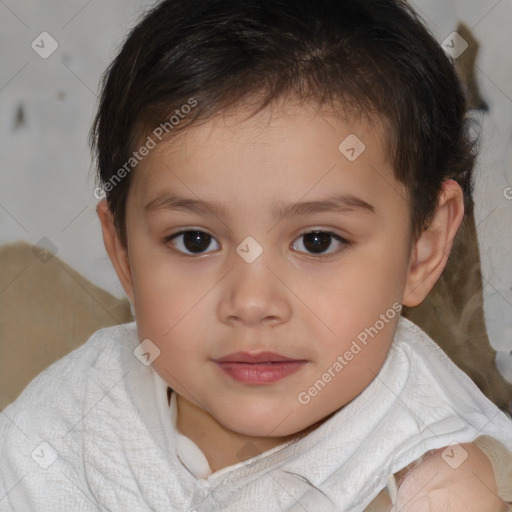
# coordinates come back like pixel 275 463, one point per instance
pixel 110 444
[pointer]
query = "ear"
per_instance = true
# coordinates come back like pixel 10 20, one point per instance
pixel 117 253
pixel 430 252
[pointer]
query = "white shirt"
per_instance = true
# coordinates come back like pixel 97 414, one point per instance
pixel 95 432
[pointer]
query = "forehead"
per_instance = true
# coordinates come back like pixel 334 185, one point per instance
pixel 297 151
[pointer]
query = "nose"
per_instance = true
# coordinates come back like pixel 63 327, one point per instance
pixel 254 294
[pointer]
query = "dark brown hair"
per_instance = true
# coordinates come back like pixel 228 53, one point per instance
pixel 372 57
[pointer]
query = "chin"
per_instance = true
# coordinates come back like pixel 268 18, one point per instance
pixel 250 422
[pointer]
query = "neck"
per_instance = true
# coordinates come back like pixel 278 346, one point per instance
pixel 221 446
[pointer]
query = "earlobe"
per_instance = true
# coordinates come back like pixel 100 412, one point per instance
pixel 117 253
pixel 430 252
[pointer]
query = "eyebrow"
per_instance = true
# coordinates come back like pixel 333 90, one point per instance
pixel 340 203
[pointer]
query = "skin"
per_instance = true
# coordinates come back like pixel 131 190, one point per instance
pixel 435 486
pixel 289 300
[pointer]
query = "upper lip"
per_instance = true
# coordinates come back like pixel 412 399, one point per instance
pixel 260 357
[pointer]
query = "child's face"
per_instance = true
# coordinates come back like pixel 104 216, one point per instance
pixel 303 298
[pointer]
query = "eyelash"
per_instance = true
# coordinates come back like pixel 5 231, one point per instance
pixel 345 243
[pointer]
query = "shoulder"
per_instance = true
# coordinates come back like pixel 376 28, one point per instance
pixel 51 432
pixel 60 391
pixel 457 477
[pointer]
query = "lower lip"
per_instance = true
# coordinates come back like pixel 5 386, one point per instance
pixel 260 373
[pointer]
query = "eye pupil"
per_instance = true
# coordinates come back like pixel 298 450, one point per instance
pixel 317 241
pixel 196 241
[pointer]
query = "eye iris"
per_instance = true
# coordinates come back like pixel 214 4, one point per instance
pixel 317 241
pixel 196 241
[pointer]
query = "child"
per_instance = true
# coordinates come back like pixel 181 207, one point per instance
pixel 280 178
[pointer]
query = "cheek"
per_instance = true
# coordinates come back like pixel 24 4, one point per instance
pixel 361 305
pixel 166 297
pixel 364 286
pixel 384 267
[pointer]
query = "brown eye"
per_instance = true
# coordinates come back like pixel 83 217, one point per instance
pixel 318 242
pixel 191 242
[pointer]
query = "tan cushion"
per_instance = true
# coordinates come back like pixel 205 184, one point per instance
pixel 46 310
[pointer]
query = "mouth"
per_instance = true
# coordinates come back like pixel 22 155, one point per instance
pixel 258 369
